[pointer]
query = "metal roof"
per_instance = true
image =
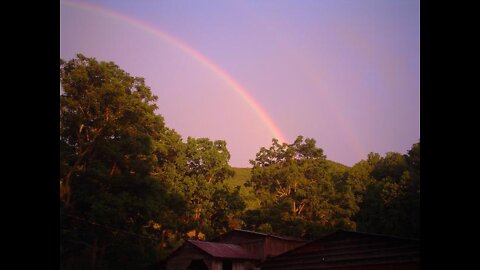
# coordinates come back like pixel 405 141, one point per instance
pixel 226 251
pixel 347 249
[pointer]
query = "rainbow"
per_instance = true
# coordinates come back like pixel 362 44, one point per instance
pixel 206 62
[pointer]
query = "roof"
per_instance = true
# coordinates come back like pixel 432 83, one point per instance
pixel 261 234
pixel 346 248
pixel 355 233
pixel 224 251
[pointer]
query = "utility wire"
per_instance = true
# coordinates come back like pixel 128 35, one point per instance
pixel 109 228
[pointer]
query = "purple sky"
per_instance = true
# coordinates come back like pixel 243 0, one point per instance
pixel 345 73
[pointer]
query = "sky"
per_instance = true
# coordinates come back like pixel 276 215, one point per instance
pixel 345 73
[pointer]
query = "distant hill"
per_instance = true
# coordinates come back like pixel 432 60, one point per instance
pixel 243 174
pixel 339 166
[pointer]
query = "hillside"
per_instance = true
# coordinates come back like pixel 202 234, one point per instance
pixel 338 166
pixel 241 176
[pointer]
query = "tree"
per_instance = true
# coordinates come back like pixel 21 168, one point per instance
pixel 298 189
pixel 104 113
pixel 359 176
pixel 286 171
pixel 388 192
pixel 227 209
pixel 110 147
pixel 201 169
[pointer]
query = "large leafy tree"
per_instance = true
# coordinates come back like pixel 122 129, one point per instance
pixel 298 190
pixel 211 204
pixel 387 190
pixel 106 115
pixel 111 144
pixel 285 173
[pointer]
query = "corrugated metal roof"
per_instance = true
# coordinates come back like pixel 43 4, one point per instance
pixel 346 249
pixel 226 251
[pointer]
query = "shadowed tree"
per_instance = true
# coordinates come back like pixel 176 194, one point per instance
pixel 104 114
pixel 110 147
pixel 388 192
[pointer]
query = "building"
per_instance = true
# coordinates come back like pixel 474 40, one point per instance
pixel 351 250
pixel 213 256
pixel 235 250
pixel 263 244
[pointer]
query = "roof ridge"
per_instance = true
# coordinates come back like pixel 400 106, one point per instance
pixel 223 250
pixel 272 235
pixel 374 234
pixel 210 242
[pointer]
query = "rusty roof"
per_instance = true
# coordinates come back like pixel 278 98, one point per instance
pixel 226 251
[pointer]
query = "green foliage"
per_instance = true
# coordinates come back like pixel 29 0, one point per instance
pixel 387 190
pixel 299 190
pixel 227 209
pixel 108 134
pixel 132 190
pixel 197 173
pixel 242 175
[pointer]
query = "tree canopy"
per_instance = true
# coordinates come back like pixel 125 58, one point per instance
pixel 132 189
pixel 388 193
pixel 299 192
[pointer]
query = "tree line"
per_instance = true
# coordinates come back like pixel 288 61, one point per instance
pixel 132 190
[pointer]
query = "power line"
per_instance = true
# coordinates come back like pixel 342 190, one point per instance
pixel 109 228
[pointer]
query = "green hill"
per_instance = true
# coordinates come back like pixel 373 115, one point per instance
pixel 241 176
pixel 338 166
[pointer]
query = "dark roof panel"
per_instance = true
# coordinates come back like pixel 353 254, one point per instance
pixel 221 250
pixel 345 249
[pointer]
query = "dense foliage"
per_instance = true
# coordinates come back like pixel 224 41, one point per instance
pixel 388 193
pixel 299 190
pixel 132 189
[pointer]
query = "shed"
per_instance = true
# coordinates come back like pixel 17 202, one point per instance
pixel 212 256
pixel 263 244
pixel 353 251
